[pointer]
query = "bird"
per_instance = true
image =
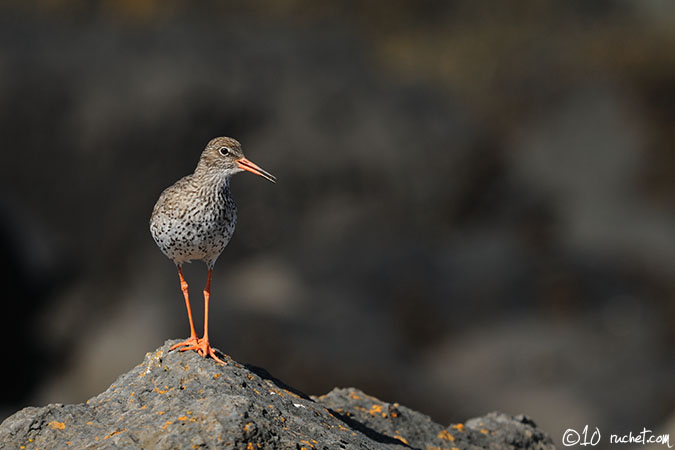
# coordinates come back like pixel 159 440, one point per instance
pixel 194 219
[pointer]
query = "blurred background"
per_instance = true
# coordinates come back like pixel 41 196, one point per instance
pixel 475 208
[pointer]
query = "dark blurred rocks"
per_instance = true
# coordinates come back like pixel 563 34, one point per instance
pixel 180 400
pixel 475 195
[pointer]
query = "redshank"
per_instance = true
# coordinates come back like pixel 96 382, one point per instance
pixel 194 219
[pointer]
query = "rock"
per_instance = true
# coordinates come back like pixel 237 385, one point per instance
pixel 181 400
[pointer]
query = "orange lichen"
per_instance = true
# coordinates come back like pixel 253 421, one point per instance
pixel 377 409
pixel 57 425
pixel 216 376
pixel 444 434
pixel 402 439
pixel 393 412
pixel 115 433
pixel 292 394
pixel 182 418
pixel 166 424
pixel 354 396
pixel 484 431
pixel 459 427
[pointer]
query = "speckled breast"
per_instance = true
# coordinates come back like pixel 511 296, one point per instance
pixel 198 233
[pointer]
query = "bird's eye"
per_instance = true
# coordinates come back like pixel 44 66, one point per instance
pixel 224 151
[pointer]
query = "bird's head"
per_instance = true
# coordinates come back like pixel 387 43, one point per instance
pixel 224 156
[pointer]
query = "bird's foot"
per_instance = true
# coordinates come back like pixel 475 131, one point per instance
pixel 191 342
pixel 206 350
pixel 202 347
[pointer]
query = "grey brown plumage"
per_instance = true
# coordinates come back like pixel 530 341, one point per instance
pixel 194 219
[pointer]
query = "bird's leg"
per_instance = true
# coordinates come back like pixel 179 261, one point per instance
pixel 192 341
pixel 205 348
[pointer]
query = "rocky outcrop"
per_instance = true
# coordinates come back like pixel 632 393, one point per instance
pixel 180 400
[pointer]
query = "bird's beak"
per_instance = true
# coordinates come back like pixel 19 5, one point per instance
pixel 245 164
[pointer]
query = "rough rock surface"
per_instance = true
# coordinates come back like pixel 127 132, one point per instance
pixel 180 400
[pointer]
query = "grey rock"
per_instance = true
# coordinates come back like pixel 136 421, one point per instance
pixel 181 400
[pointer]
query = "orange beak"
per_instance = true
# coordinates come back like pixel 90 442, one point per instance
pixel 245 164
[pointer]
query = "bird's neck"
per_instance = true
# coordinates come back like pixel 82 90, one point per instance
pixel 214 182
pixel 225 185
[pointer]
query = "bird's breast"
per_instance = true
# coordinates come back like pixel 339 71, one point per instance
pixel 195 230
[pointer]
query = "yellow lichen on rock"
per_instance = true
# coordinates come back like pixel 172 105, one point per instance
pixel 57 425
pixel 444 434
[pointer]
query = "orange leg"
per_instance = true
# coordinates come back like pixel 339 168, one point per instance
pixel 192 340
pixel 203 346
pixel 206 348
